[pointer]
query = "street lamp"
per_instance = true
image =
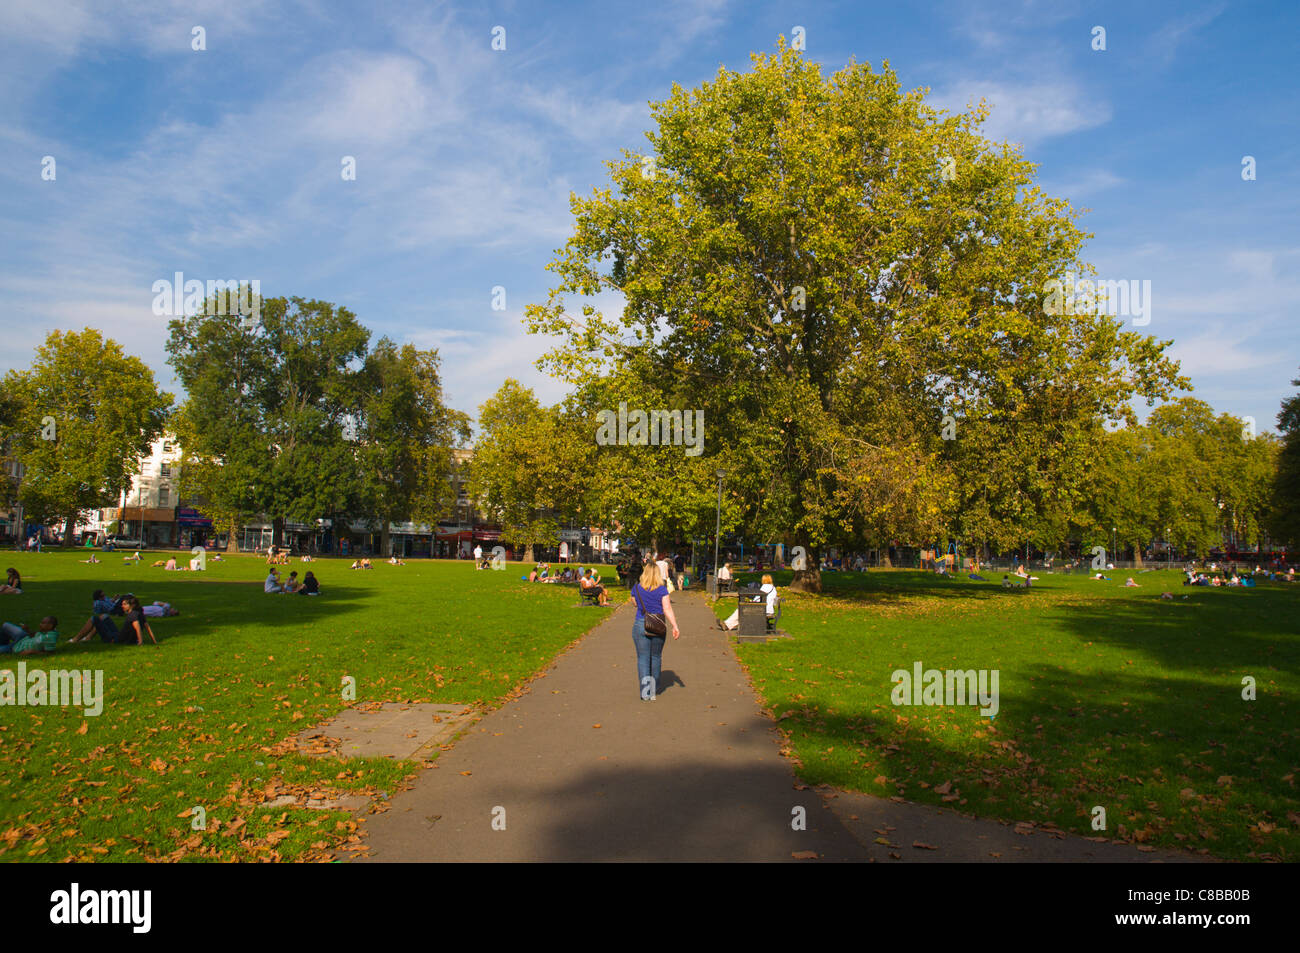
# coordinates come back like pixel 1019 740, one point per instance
pixel 1113 554
pixel 717 531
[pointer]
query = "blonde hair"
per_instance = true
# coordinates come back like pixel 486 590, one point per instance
pixel 651 577
pixel 767 578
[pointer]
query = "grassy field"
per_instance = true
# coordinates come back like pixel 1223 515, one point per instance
pixel 1109 697
pixel 205 717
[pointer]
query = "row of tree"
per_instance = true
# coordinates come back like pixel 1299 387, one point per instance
pixel 847 286
pixel 293 417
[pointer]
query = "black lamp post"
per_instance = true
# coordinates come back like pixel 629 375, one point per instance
pixel 717 531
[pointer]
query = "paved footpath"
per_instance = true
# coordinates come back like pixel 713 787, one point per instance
pixel 587 771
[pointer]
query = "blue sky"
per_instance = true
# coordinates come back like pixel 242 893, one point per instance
pixel 225 162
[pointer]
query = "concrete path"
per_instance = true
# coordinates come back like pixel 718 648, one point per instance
pixel 581 769
pixel 585 770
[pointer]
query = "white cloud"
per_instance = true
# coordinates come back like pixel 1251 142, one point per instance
pixel 1164 45
pixel 1027 112
pixel 1091 182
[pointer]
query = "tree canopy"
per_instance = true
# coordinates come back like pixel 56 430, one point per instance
pixel 84 414
pixel 829 268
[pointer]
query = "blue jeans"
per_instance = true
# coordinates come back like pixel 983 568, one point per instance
pixel 649 655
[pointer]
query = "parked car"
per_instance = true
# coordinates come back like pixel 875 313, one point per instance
pixel 126 542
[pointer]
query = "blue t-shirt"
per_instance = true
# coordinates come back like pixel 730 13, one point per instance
pixel 651 600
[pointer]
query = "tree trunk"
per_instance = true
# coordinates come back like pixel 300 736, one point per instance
pixel 69 529
pixel 1137 555
pixel 528 553
pixel 386 540
pixel 808 579
pixel 232 538
pixel 277 531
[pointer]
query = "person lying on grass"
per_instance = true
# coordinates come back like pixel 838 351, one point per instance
pixel 135 625
pixel 20 640
pixel 160 610
pixel 394 561
pixel 91 561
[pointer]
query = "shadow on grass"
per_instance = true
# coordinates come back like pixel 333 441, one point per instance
pixel 1157 733
pixel 207 606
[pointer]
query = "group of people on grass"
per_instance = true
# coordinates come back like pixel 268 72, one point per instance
pixel 586 579
pixel 18 639
pixel 309 585
pixel 135 619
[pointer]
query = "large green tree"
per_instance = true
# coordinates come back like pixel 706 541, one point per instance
pixel 828 268
pixel 530 467
pixel 84 414
pixel 406 436
pixel 269 404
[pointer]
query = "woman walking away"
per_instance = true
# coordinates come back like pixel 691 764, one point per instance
pixel 654 619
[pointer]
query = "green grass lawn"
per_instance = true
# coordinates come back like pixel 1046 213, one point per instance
pixel 1109 697
pixel 203 719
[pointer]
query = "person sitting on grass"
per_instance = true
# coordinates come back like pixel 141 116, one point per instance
pixel 272 583
pixel 365 563
pixel 91 561
pixel 590 585
pixel 307 559
pixel 394 561
pixel 1006 581
pixel 20 640
pixel 292 584
pixel 171 565
pixel 101 608
pixel 133 558
pixel 135 625
pixel 13 584
pixel 356 564
pixel 310 586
